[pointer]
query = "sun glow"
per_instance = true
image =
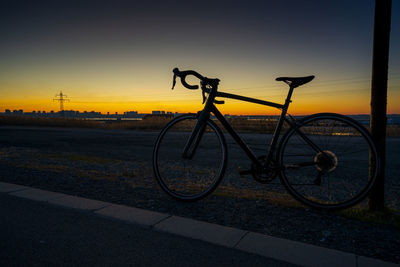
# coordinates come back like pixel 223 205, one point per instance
pixel 304 101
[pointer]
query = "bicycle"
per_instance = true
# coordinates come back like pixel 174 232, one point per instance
pixel 323 160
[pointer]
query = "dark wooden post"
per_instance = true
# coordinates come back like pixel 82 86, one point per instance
pixel 380 59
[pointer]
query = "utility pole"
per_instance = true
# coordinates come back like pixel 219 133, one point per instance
pixel 380 59
pixel 61 98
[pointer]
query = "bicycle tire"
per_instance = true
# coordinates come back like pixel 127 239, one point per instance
pixel 195 178
pixel 338 176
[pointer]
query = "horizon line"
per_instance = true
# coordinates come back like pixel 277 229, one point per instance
pixel 162 112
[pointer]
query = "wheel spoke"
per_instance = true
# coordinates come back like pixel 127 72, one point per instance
pixel 337 176
pixel 189 178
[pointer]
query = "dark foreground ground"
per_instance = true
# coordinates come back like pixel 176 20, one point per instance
pixel 115 166
pixel 40 234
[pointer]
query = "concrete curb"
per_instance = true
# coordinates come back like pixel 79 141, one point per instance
pixel 8 188
pixel 133 215
pixel 295 252
pixel 213 233
pixel 264 245
pixel 79 203
pixel 37 194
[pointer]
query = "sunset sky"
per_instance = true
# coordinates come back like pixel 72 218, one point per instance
pixel 116 56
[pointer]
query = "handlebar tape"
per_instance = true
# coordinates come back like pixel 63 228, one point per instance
pixel 183 74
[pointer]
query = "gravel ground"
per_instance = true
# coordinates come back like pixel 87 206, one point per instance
pixel 115 166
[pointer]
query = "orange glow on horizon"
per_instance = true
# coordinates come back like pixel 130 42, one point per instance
pixel 307 100
pixel 232 107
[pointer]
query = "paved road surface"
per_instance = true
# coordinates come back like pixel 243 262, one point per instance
pixel 36 233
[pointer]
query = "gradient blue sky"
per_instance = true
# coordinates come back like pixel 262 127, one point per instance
pixel 118 55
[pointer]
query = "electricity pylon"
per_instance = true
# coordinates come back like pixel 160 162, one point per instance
pixel 61 98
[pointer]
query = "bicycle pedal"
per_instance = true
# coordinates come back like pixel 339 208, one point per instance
pixel 242 173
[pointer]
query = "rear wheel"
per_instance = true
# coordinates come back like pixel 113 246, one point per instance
pixel 183 178
pixel 333 171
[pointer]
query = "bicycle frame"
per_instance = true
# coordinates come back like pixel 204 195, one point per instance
pixel 210 107
pixel 307 172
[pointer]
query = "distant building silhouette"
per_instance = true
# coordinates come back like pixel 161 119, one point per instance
pixel 158 116
pixel 392 119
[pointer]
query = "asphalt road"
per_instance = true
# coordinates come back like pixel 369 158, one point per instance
pixel 39 234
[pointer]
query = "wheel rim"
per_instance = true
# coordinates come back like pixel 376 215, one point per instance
pixel 337 176
pixel 189 179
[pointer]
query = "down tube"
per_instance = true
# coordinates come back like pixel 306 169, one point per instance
pixel 234 135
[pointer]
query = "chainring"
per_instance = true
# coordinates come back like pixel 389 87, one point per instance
pixel 261 174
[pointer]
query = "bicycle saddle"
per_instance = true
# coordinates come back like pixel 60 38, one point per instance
pixel 296 81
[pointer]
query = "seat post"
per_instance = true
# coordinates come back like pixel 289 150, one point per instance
pixel 275 137
pixel 289 96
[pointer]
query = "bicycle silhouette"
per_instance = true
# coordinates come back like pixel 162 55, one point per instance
pixel 323 160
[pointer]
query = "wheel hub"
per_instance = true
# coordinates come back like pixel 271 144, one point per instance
pixel 326 161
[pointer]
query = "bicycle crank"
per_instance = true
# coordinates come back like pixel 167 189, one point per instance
pixel 264 174
pixel 261 177
pixel 259 172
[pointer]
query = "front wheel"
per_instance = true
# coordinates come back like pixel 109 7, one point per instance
pixel 189 178
pixel 325 161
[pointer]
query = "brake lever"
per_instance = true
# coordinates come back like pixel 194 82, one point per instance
pixel 173 82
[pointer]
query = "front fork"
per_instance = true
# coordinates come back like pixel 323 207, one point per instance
pixel 196 135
